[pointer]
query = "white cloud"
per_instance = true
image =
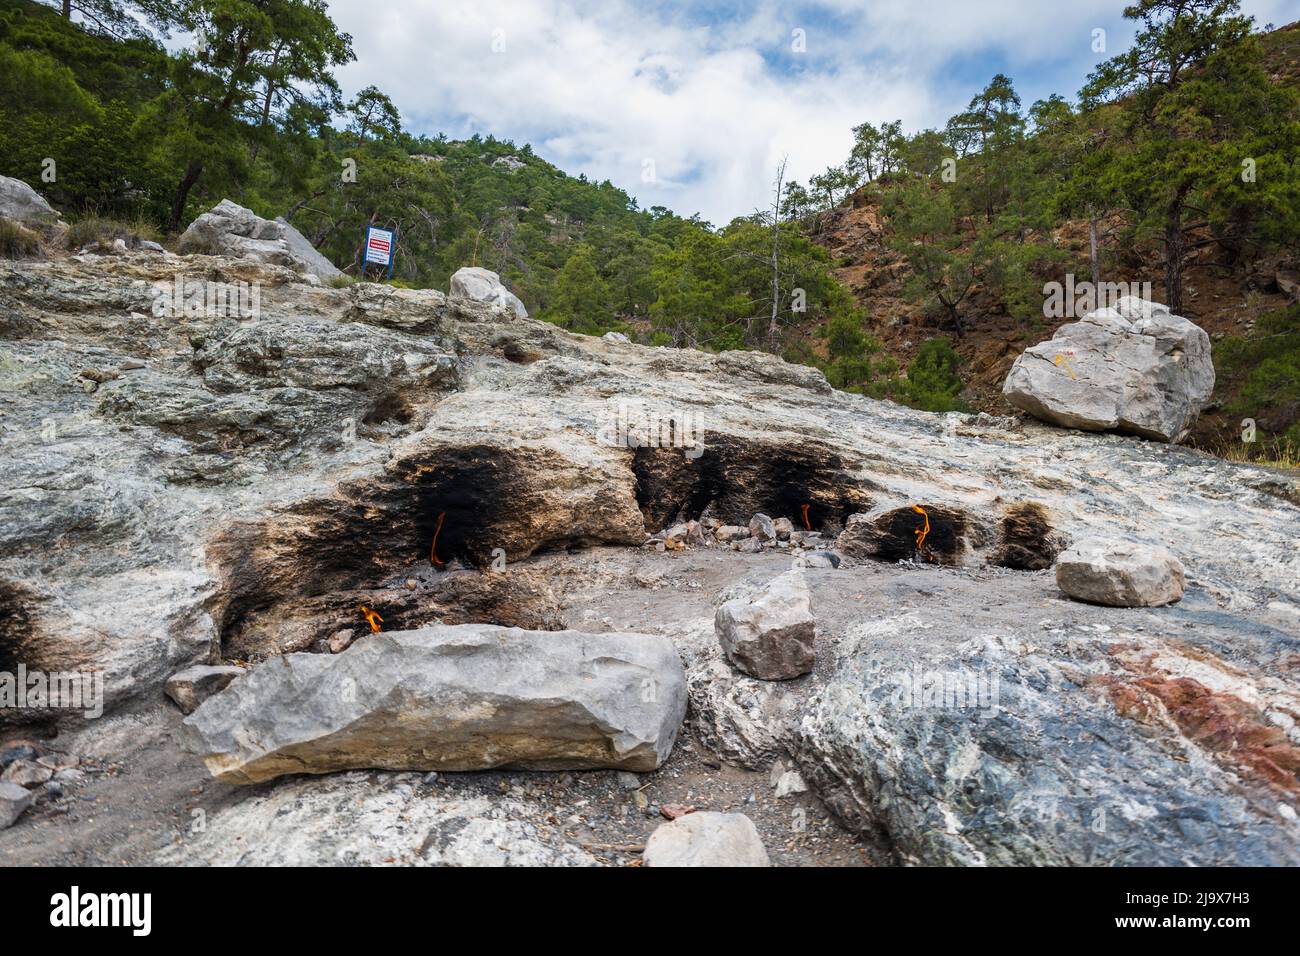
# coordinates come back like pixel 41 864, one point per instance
pixel 601 86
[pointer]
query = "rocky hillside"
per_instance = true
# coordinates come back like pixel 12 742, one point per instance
pixel 526 583
pixel 1230 304
pixel 1229 290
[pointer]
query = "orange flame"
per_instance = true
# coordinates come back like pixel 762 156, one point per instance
pixel 371 617
pixel 922 531
pixel 433 548
pixel 803 509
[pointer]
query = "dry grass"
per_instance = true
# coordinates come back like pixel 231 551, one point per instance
pixel 1273 453
pixel 99 233
pixel 17 241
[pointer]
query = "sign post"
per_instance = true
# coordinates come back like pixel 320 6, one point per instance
pixel 380 249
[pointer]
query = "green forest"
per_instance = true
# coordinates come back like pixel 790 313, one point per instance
pixel 1184 140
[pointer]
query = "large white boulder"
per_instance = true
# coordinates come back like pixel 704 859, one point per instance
pixel 484 285
pixel 1135 368
pixel 464 697
pixel 231 230
pixel 22 203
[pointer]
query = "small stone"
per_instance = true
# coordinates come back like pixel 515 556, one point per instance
pixel 706 839
pixel 790 782
pixel 26 773
pixel 821 559
pixel 628 781
pixel 57 762
pixel 340 641
pixel 19 752
pixel 731 532
pixel 762 527
pixel 191 687
pixel 784 527
pixel 13 801
pixel 749 546
pixel 671 811
pixel 411 584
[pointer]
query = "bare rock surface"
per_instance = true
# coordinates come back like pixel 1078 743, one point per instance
pixel 1135 368
pixel 356 819
pixel 180 489
pixel 1120 574
pixel 706 839
pixel 468 697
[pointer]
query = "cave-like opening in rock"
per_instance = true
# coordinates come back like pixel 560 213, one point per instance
pixel 299 577
pixel 17 620
pixel 734 479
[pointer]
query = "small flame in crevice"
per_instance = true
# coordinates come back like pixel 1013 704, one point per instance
pixel 372 618
pixel 433 548
pixel 803 510
pixel 923 531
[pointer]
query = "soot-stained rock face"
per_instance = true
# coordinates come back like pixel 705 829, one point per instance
pixel 936 534
pixel 400 543
pixel 1027 540
pixel 17 609
pixel 733 479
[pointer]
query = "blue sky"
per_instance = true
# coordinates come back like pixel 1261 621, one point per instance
pixel 691 105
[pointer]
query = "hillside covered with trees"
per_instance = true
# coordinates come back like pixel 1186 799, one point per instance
pixel 910 271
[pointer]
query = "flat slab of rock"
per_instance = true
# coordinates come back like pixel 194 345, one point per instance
pixel 230 229
pixel 484 285
pixel 706 839
pixel 1120 574
pixel 192 686
pixel 770 636
pixel 1136 368
pixel 13 801
pixel 466 697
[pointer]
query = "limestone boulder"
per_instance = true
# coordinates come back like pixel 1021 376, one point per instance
pixel 1136 368
pixel 231 230
pixel 465 697
pixel 484 285
pixel 1120 574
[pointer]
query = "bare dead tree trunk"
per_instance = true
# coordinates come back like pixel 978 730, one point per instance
pixel 1093 255
pixel 774 325
pixel 1175 249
